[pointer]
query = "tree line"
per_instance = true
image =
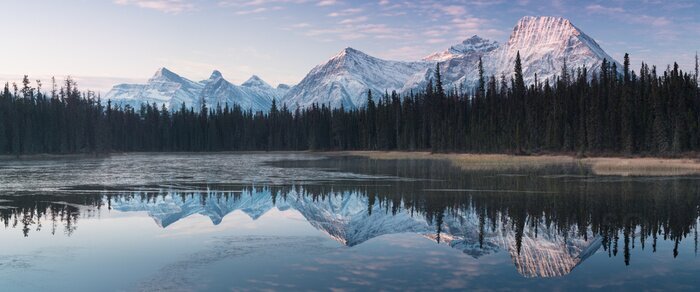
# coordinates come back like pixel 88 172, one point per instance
pixel 608 111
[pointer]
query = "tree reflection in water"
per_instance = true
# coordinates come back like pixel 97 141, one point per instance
pixel 549 220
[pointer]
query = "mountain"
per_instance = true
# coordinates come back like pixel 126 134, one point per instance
pixel 169 89
pixel 545 44
pixel 470 46
pixel 253 94
pixel 458 64
pixel 164 88
pixel 345 79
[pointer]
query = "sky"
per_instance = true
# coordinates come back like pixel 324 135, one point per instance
pixel 103 42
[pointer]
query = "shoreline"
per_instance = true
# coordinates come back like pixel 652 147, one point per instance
pixel 604 166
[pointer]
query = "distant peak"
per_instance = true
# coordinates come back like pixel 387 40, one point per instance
pixel 475 42
pixel 215 75
pixel 348 51
pixel 473 45
pixel 164 73
pixel 255 81
pixel 475 38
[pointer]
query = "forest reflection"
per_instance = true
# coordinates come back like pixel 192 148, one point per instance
pixel 549 219
pixel 620 219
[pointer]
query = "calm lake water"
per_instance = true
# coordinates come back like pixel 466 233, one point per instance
pixel 220 222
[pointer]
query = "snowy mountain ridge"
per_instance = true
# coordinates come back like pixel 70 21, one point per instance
pixel 171 90
pixel 345 79
pixel 471 45
pixel 546 45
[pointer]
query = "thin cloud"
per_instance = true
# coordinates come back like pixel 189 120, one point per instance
pixel 327 2
pixel 249 3
pixel 166 6
pixel 597 8
pixel 345 12
pixel 252 11
pixel 358 19
pixel 628 17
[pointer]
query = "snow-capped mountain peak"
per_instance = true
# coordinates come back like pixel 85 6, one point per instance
pixel 172 90
pixel 163 72
pixel 215 75
pixel 474 44
pixel 345 79
pixel 255 81
pixel 349 51
pixel 545 44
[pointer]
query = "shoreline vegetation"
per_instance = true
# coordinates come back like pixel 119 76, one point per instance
pixel 604 166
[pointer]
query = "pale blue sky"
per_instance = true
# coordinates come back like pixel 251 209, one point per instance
pixel 102 42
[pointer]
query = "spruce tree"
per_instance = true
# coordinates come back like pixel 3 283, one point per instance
pixel 519 96
pixel 438 82
pixel 626 127
pixel 697 68
pixel 481 91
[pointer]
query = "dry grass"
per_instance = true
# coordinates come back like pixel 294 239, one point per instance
pixel 643 166
pixel 475 161
pixel 609 166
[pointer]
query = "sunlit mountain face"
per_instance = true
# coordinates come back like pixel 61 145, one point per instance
pixel 546 233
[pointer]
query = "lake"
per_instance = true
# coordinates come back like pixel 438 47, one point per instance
pixel 305 221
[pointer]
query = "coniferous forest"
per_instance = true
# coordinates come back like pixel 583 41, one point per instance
pixel 610 111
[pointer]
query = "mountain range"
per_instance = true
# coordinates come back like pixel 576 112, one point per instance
pixel 546 44
pixel 544 250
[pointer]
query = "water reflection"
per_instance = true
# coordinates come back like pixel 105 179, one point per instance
pixel 545 231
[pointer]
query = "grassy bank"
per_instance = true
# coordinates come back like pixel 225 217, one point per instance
pixel 611 166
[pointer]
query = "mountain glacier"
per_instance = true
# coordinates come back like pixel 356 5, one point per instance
pixel 546 44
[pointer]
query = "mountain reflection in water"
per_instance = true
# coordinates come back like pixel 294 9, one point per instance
pixel 546 233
